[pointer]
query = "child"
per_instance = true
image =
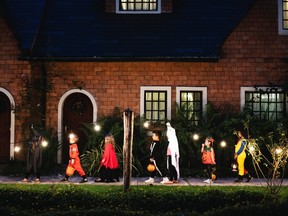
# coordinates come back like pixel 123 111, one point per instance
pixel 172 157
pixel 74 162
pixel 208 158
pixel 34 156
pixel 109 164
pixel 240 156
pixel 155 155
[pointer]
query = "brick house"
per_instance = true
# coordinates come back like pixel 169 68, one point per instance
pixel 96 55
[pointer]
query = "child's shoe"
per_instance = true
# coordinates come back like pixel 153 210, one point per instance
pixel 150 180
pixel 84 180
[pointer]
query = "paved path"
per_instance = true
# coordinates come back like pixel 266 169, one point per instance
pixel 137 181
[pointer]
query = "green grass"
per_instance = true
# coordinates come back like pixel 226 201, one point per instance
pixel 71 199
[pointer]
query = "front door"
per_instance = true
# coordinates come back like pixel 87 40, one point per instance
pixel 5 120
pixel 77 109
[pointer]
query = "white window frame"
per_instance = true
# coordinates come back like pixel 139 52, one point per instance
pixel 118 11
pixel 251 89
pixel 202 89
pixel 281 31
pixel 155 88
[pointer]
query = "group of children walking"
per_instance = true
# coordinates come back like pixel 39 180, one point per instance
pixel 207 158
pixel 109 166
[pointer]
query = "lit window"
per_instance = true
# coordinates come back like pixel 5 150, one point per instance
pixel 138 6
pixel 192 101
pixel 267 105
pixel 156 103
pixel 283 17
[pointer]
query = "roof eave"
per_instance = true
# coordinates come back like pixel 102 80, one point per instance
pixel 211 58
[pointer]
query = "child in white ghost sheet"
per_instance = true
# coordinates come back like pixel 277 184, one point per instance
pixel 173 156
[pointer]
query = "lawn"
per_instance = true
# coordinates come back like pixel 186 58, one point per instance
pixel 71 199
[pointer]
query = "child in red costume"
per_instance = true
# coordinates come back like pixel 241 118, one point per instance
pixel 109 166
pixel 74 162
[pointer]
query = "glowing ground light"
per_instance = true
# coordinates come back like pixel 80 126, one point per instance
pixel 278 150
pixel 17 149
pixel 97 127
pixel 223 144
pixel 234 167
pixel 251 148
pixel 195 136
pixel 71 135
pixel 44 143
pixel 146 124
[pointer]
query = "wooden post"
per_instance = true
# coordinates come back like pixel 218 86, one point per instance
pixel 128 119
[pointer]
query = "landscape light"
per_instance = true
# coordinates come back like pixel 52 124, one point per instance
pixel 223 144
pixel 146 124
pixel 71 135
pixel 44 143
pixel 195 136
pixel 97 127
pixel 17 149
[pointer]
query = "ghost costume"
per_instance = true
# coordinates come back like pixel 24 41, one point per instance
pixel 173 154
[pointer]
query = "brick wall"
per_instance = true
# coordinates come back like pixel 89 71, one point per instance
pixel 253 54
pixel 12 73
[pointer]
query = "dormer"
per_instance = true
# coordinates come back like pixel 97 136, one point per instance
pixel 138 6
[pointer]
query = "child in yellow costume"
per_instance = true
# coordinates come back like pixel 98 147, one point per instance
pixel 240 156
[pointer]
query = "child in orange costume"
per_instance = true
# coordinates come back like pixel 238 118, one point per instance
pixel 208 158
pixel 74 162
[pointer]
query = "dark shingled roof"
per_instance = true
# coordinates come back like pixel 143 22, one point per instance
pixel 81 30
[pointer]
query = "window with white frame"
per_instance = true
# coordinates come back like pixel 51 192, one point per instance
pixel 138 6
pixel 266 103
pixel 192 102
pixel 283 17
pixel 155 105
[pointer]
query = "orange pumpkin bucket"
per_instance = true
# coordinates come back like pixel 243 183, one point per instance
pixel 150 167
pixel 69 171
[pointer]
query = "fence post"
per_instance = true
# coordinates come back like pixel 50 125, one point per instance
pixel 128 119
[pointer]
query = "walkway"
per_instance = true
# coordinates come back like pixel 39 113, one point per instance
pixel 137 181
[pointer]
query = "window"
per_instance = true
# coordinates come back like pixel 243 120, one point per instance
pixel 191 101
pixel 156 103
pixel 283 17
pixel 266 104
pixel 138 6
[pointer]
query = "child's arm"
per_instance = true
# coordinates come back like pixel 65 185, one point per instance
pixel 202 148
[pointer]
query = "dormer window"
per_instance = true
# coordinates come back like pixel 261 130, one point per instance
pixel 138 6
pixel 283 17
